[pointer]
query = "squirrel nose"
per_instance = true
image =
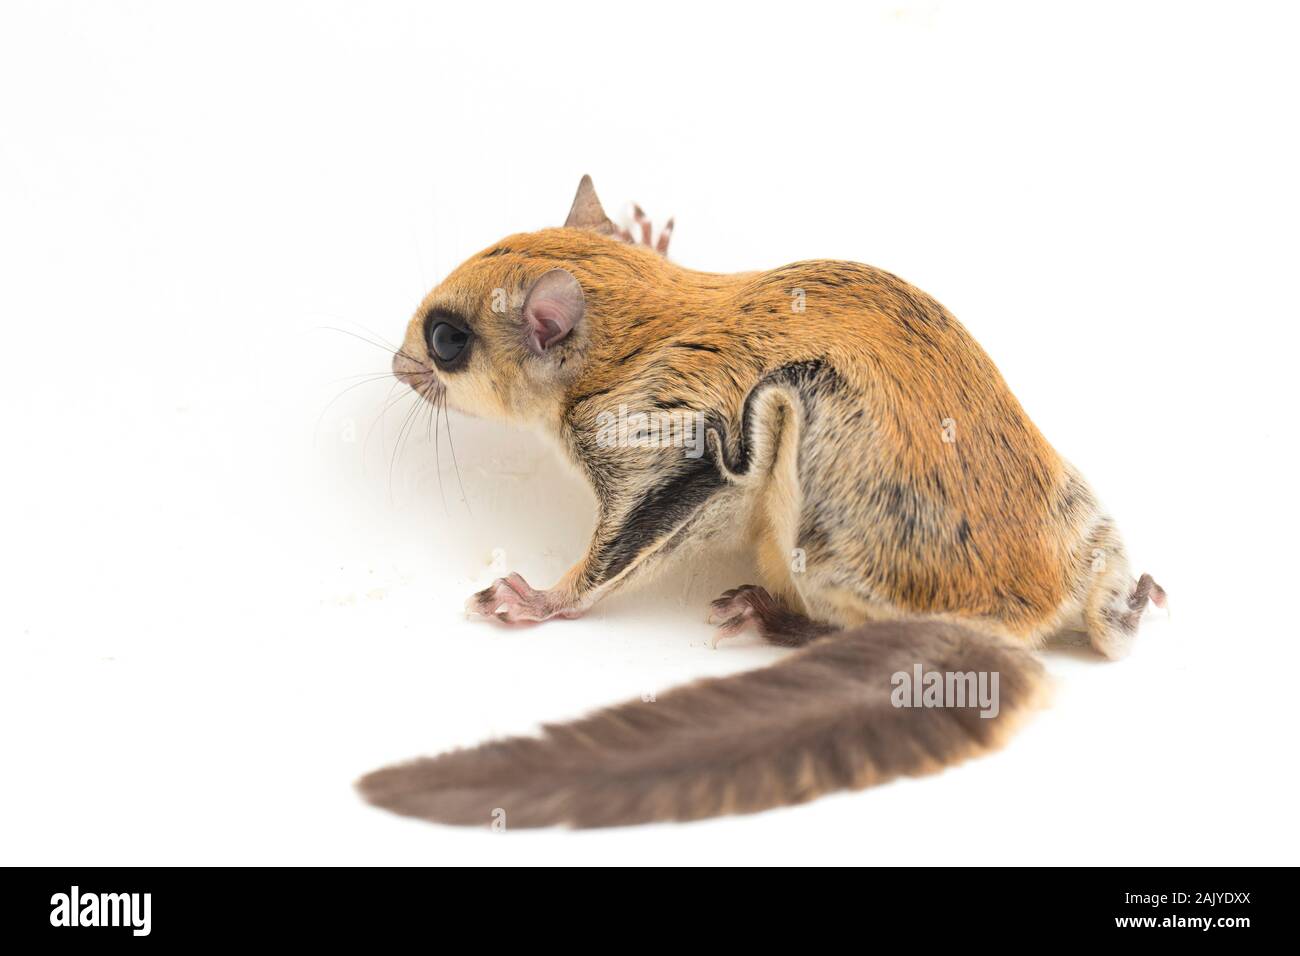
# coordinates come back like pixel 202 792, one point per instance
pixel 408 371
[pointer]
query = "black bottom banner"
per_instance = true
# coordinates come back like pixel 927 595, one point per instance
pixel 919 907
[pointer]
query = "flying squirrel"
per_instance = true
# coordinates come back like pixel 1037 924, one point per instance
pixel 905 516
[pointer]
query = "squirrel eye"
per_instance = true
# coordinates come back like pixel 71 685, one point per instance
pixel 446 341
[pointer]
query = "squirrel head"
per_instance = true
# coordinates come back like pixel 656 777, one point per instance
pixel 510 328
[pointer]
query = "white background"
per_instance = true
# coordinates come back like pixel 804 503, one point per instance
pixel 218 610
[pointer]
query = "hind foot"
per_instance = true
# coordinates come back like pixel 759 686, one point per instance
pixel 740 607
pixel 647 238
pixel 1147 588
pixel 1113 624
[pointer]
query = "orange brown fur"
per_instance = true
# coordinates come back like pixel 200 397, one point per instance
pixel 860 442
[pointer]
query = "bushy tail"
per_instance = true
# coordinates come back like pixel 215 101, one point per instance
pixel 818 721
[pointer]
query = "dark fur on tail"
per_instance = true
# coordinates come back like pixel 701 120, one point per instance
pixel 818 721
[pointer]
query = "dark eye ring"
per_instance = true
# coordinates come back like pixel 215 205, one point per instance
pixel 446 342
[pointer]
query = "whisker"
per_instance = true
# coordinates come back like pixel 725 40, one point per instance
pixel 370 377
pixel 382 346
pixel 349 378
pixel 452 445
pixel 436 416
pixel 397 448
pixel 433 410
pixel 374 337
pixel 389 404
pixel 434 413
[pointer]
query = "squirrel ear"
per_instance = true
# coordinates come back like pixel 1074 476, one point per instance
pixel 553 306
pixel 587 213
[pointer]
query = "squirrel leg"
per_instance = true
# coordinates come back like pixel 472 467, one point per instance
pixel 630 538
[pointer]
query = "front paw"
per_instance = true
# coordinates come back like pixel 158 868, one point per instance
pixel 513 601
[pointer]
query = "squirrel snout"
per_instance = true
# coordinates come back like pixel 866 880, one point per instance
pixel 410 372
